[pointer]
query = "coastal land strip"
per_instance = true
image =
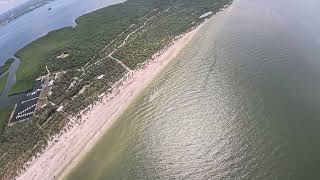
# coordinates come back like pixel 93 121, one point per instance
pixel 93 72
pixel 77 141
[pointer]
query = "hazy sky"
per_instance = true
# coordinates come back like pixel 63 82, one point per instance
pixel 8 4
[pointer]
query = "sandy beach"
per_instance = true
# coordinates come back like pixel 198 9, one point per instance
pixel 66 150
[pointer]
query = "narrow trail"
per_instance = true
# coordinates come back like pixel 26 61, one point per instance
pixel 104 48
pixel 121 63
pixel 48 71
pixel 87 66
pixel 128 69
pixel 125 42
pixel 129 35
pixel 70 117
pixel 43 131
pixel 116 38
pixel 116 49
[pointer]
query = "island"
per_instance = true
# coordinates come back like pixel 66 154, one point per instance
pixel 4 74
pixel 67 72
pixel 5 67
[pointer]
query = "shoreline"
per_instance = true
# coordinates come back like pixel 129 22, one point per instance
pixel 66 150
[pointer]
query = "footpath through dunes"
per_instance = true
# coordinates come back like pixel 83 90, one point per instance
pixel 71 146
pixel 86 63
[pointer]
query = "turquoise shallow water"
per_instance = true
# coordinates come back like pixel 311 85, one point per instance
pixel 240 102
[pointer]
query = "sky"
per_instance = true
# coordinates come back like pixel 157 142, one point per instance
pixel 5 5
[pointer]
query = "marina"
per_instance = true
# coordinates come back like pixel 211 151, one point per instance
pixel 26 107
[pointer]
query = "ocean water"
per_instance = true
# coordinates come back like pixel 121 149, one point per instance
pixel 241 101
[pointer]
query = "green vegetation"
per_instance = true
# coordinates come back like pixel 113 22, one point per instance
pixel 4 116
pixel 83 42
pixel 33 58
pixel 4 68
pixel 3 81
pixel 82 66
pixel 60 85
pixel 19 143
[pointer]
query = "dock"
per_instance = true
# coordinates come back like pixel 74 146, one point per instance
pixel 26 107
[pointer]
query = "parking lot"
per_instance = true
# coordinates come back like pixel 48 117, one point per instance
pixel 26 107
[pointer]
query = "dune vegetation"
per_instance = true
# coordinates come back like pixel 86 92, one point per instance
pixel 4 116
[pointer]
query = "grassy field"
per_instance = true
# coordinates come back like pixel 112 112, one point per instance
pixel 88 70
pixel 3 81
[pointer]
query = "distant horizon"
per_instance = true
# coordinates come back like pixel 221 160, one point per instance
pixel 6 5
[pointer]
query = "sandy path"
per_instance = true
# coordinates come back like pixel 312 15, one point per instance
pixel 71 146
